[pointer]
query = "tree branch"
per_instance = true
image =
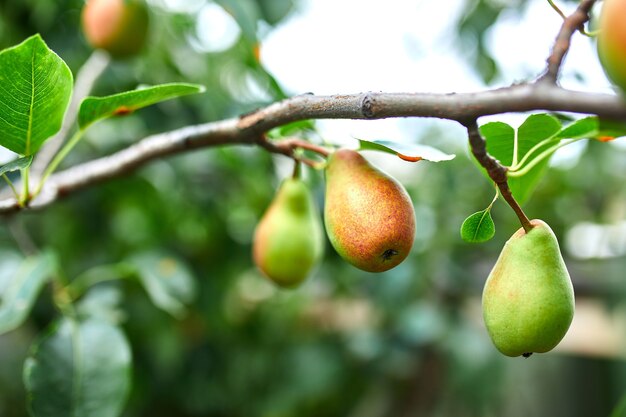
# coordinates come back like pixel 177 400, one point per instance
pixel 571 24
pixel 249 129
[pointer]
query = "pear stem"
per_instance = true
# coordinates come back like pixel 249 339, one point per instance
pixel 297 169
pixel 496 171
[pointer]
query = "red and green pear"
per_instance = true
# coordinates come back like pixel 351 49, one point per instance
pixel 119 27
pixel 612 41
pixel 369 216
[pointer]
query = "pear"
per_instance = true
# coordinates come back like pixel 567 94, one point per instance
pixel 369 216
pixel 289 240
pixel 612 41
pixel 528 299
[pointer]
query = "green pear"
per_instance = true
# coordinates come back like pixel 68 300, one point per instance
pixel 289 240
pixel 528 300
pixel 369 216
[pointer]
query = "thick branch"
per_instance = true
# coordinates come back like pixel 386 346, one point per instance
pixel 249 129
pixel 571 24
pixel 495 170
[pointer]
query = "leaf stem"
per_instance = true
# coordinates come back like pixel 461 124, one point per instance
pixel 24 198
pixel 6 178
pixel 556 9
pixel 526 157
pixel 58 158
pixel 545 154
pixel 96 275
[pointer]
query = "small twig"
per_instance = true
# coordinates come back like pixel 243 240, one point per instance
pixel 495 170
pixel 571 24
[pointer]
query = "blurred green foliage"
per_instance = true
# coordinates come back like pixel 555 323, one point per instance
pixel 407 342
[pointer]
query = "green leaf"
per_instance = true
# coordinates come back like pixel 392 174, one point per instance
pixel 35 90
pixel 20 292
pixel 16 165
pixel 582 128
pixel 610 129
pixel 407 152
pixel 78 369
pixel 509 147
pixel 593 127
pixel 167 280
pixel 535 129
pixel 478 227
pixel 93 109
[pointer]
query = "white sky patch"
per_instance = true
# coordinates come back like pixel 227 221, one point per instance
pixel 216 30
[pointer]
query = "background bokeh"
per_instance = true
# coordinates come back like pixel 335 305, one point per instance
pixel 408 342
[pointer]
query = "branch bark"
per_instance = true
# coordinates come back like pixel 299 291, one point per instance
pixel 249 129
pixel 571 24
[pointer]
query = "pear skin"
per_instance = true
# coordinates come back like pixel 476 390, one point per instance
pixel 612 41
pixel 528 299
pixel 289 239
pixel 369 216
pixel 120 27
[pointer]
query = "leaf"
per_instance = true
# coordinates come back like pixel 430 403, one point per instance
pixel 93 109
pixel 407 152
pixel 19 295
pixel 168 282
pixel 609 130
pixel 79 369
pixel 582 128
pixel 503 142
pixel 245 13
pixel 35 90
pixel 16 165
pixel 593 127
pixel 478 227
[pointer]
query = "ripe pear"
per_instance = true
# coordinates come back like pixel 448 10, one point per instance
pixel 289 240
pixel 120 27
pixel 369 216
pixel 612 41
pixel 528 300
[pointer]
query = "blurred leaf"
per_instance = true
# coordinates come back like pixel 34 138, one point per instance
pixel 478 227
pixel 16 165
pixel 274 11
pixel 35 90
pixel 93 109
pixel 102 302
pixel 406 152
pixel 18 297
pixel 245 13
pixel 610 129
pixel 79 369
pixel 167 280
pixel 292 129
